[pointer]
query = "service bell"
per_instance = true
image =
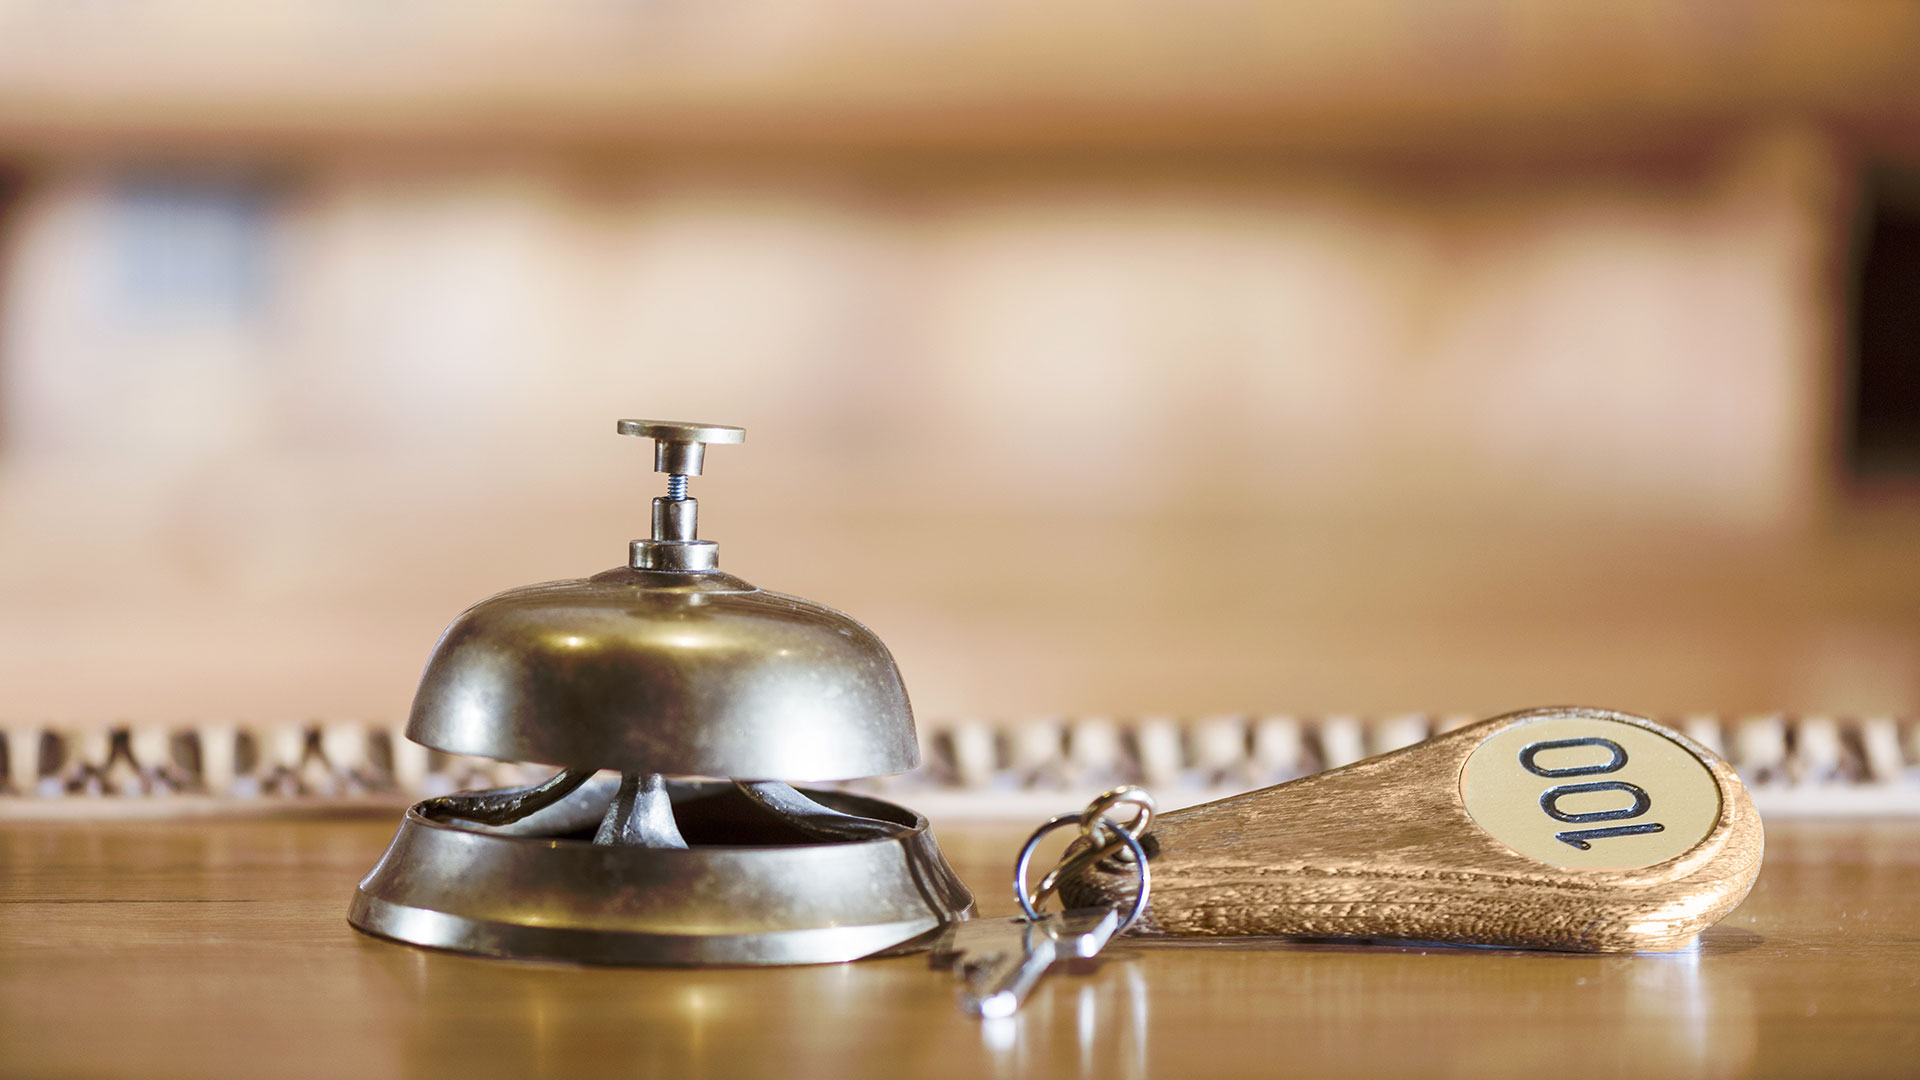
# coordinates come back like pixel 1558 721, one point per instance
pixel 709 698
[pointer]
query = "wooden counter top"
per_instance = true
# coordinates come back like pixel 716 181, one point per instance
pixel 220 948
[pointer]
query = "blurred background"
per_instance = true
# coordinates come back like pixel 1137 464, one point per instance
pixel 1104 358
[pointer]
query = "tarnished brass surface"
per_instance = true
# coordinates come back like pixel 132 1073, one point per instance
pixel 667 666
pixel 751 889
pixel 684 674
pixel 664 668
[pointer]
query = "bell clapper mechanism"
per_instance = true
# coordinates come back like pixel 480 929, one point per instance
pixel 679 706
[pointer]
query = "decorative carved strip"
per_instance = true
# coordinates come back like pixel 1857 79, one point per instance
pixel 1017 768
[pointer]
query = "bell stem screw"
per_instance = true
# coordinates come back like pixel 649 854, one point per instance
pixel 679 450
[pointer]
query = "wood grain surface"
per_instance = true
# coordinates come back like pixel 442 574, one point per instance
pixel 1385 848
pixel 221 949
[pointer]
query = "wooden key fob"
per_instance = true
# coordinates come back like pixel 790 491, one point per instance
pixel 1567 828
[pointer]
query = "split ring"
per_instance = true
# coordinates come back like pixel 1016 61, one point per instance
pixel 1025 861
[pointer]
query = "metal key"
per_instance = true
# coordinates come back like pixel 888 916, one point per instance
pixel 1002 959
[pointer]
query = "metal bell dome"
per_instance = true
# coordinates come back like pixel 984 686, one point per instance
pixel 690 674
pixel 667 665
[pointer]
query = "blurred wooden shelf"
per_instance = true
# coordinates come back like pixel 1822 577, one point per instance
pixel 1402 74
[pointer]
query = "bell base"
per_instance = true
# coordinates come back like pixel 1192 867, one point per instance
pixel 453 933
pixel 508 892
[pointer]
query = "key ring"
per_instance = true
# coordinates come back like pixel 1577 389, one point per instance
pixel 1090 820
pixel 1095 816
pixel 1092 845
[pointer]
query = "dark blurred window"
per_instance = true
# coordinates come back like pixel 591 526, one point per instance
pixel 1885 428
